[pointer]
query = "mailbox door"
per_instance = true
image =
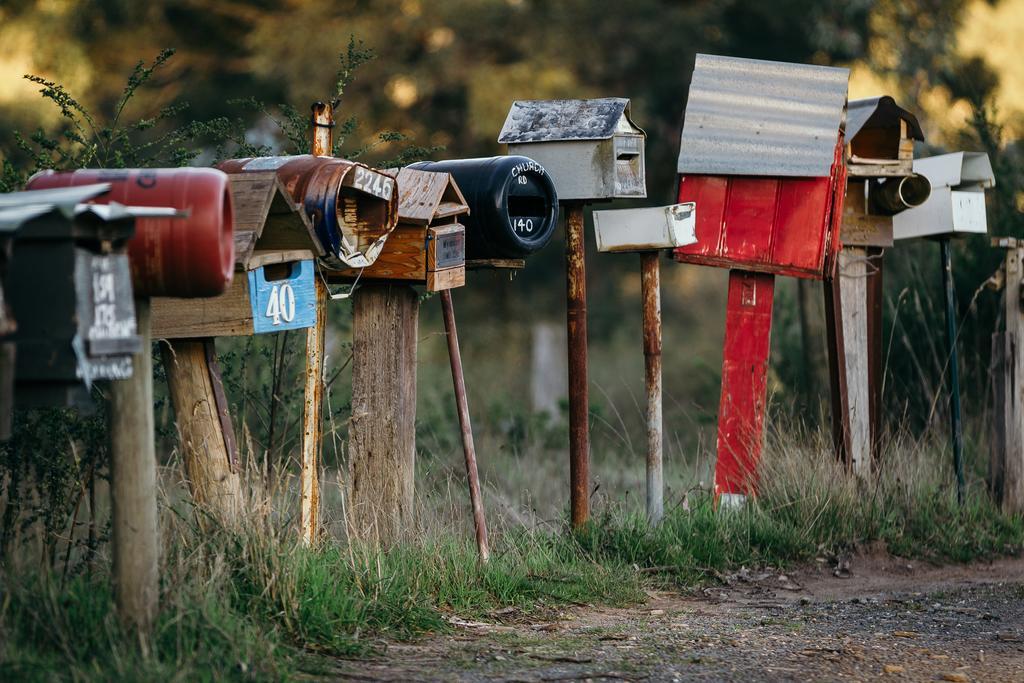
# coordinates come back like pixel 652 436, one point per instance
pixel 787 226
pixel 283 303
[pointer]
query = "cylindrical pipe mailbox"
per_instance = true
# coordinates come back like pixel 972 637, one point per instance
pixel 351 207
pixel 513 207
pixel 183 257
pixel 892 195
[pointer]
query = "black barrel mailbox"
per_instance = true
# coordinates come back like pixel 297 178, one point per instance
pixel 513 206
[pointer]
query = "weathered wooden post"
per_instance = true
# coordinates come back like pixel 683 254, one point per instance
pixel 79 326
pixel 881 183
pixel 1006 462
pixel 649 231
pixel 768 181
pixel 594 152
pixel 956 206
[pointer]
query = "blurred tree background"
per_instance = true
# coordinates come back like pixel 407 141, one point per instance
pixel 445 74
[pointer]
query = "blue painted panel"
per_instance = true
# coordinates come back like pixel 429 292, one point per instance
pixel 285 304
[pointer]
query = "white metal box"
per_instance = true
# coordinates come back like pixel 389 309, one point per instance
pixel 957 202
pixel 590 148
pixel 646 229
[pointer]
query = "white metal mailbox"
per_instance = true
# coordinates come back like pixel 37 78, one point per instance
pixel 591 148
pixel 957 201
pixel 646 229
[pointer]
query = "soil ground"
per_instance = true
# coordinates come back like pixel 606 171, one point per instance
pixel 862 618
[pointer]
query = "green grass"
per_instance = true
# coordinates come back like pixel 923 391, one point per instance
pixel 254 604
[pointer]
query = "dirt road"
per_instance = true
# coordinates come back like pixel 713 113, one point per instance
pixel 869 618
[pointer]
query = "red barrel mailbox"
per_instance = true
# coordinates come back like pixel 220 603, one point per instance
pixel 761 156
pixel 182 257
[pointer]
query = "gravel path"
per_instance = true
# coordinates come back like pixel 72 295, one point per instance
pixel 877 617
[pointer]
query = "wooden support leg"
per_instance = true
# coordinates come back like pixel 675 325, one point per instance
pixel 846 302
pixel 207 436
pixel 382 436
pixel 741 411
pixel 312 432
pixel 465 426
pixel 136 533
pixel 1006 471
pixel 651 287
pixel 876 359
pixel 579 401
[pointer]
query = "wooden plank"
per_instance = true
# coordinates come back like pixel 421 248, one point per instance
pixel 495 264
pixel 227 315
pixel 252 195
pixel 265 257
pixel 1013 463
pixel 860 228
pixel 853 291
pixel 438 280
pixel 403 258
pixel 136 532
pixel 382 435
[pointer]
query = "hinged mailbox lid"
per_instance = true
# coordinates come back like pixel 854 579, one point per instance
pixel 759 118
pixel 561 120
pixel 645 229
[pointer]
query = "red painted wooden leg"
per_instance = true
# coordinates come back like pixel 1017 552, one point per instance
pixel 748 328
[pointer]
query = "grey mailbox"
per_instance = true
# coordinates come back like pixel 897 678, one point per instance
pixel 590 148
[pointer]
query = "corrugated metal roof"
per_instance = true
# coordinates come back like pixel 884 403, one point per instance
pixel 881 112
pixel 554 120
pixel 753 117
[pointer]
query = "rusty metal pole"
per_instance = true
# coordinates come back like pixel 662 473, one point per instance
pixel 468 447
pixel 651 286
pixel 321 144
pixel 579 402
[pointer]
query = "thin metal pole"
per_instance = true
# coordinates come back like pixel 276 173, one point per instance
pixel 462 403
pixel 579 402
pixel 651 286
pixel 954 372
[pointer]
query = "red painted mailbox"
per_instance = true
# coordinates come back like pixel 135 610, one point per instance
pixel 761 156
pixel 183 257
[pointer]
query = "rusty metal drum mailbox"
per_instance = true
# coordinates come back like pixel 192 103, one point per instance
pixel 513 205
pixel 70 290
pixel 591 148
pixel 169 256
pixel 350 209
pixel 761 155
pixel 428 247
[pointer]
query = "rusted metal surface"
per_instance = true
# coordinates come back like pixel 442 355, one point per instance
pixel 879 112
pixel 551 120
pixel 311 425
pixel 741 410
pixel 352 207
pixel 650 281
pixel 465 425
pixel 192 256
pixel 758 118
pixel 221 403
pixel 323 125
pixel 579 401
pixel 785 226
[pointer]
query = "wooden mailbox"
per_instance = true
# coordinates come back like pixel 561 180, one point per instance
pixel 591 148
pixel 428 247
pixel 761 156
pixel 274 288
pixel 880 184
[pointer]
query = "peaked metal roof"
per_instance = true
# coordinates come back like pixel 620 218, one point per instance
pixel 879 112
pixel 760 118
pixel 957 169
pixel 556 120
